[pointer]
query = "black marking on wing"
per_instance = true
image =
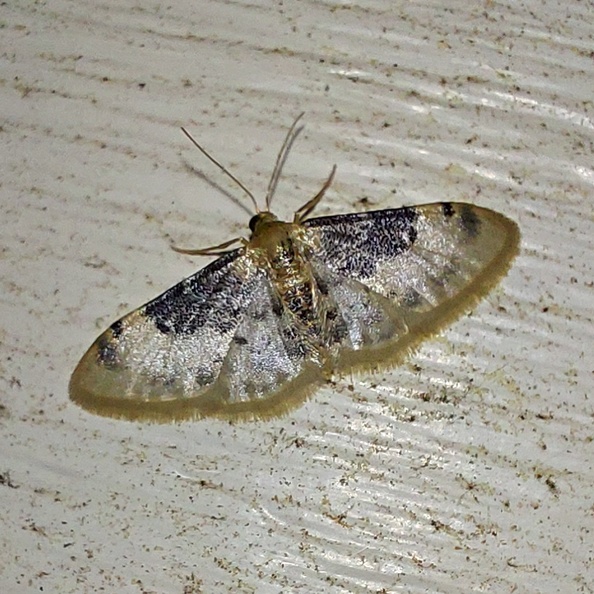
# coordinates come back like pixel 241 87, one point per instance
pixel 469 221
pixel 293 342
pixel 214 297
pixel 356 243
pixel 322 285
pixel 277 306
pixel 107 352
pixel 447 209
pixel 205 376
pixel 116 329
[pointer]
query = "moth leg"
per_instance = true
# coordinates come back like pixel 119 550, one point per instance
pixel 301 214
pixel 215 250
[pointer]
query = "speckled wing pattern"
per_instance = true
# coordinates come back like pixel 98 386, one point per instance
pixel 355 291
pixel 428 262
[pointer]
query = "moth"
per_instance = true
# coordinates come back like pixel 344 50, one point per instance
pixel 255 332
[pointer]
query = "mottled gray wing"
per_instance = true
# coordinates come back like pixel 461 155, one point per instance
pixel 217 344
pixel 161 360
pixel 428 263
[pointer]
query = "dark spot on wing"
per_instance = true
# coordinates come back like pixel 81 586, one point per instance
pixel 447 209
pixel 322 284
pixel 107 353
pixel 204 376
pixel 338 327
pixel 354 244
pixel 469 221
pixel 277 306
pixel 240 340
pixel 215 297
pixel 116 329
pixel 293 343
pixel 411 298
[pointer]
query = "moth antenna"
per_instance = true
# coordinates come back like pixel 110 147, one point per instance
pixel 281 158
pixel 306 209
pixel 221 167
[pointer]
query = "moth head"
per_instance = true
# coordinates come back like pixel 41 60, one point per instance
pixel 261 219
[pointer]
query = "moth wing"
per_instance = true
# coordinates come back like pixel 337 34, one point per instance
pixel 161 361
pixel 426 264
pixel 271 366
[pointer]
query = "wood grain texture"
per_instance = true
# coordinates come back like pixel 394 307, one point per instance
pixel 470 469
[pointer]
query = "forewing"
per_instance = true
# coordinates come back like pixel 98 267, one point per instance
pixel 162 360
pixel 428 263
